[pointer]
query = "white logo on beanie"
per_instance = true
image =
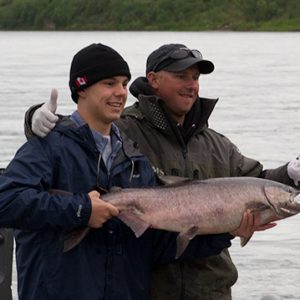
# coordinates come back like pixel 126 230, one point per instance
pixel 80 81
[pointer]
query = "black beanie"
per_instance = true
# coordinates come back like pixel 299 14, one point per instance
pixel 94 63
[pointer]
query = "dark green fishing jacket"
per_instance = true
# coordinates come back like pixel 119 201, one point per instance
pixel 195 151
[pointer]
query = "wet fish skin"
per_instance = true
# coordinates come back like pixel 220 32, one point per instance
pixel 209 206
pixel 193 207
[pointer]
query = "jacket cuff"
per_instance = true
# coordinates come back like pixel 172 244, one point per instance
pixel 84 210
pixel 27 121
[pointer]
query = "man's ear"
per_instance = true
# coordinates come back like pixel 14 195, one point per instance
pixel 81 93
pixel 152 78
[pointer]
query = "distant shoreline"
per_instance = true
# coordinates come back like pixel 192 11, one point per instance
pixel 146 15
pixel 142 30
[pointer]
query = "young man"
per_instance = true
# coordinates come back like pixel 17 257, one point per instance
pixel 170 115
pixel 83 154
pixel 6 254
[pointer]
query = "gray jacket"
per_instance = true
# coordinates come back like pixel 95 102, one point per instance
pixel 195 151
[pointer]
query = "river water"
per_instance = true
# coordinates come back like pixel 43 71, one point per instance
pixel 257 79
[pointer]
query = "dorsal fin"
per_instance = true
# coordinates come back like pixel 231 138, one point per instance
pixel 115 189
pixel 172 180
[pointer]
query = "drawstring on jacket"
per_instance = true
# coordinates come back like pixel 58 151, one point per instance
pixel 132 170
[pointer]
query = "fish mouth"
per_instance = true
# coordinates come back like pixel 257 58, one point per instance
pixel 297 198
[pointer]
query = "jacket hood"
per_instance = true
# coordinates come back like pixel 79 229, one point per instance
pixel 81 135
pixel 140 86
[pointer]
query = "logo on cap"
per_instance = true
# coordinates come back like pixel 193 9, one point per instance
pixel 80 81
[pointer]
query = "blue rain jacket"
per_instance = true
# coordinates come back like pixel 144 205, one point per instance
pixel 110 263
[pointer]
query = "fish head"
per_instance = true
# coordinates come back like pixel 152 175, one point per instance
pixel 284 200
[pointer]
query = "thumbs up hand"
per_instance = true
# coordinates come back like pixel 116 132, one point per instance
pixel 44 118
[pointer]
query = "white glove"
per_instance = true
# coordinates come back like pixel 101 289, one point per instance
pixel 44 118
pixel 293 170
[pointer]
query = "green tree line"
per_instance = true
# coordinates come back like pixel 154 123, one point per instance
pixel 189 15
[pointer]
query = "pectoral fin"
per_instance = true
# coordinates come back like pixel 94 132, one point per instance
pixel 244 241
pixel 74 237
pixel 131 219
pixel 184 238
pixel 257 211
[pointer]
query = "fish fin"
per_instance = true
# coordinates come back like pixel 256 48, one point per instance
pixel 136 224
pixel 74 237
pixel 244 241
pixel 170 180
pixel 115 189
pixel 184 238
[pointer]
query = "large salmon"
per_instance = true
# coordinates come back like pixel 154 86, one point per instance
pixel 193 207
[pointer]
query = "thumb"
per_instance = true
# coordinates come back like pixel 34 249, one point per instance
pixel 52 103
pixel 93 194
pixel 113 210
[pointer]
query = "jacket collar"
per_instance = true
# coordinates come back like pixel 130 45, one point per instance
pixel 84 136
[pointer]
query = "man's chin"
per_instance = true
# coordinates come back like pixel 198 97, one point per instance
pixel 114 117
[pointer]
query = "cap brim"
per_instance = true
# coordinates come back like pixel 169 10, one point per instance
pixel 205 66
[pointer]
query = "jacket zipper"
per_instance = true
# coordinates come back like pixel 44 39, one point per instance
pixel 186 167
pixel 183 150
pixel 98 169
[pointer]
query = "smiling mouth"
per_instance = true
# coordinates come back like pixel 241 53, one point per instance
pixel 115 104
pixel 187 97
